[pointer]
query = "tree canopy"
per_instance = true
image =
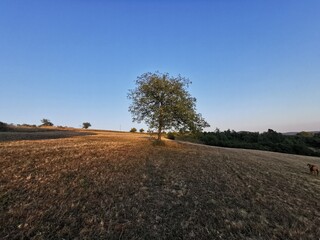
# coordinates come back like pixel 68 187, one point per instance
pixel 269 141
pixel 46 122
pixel 163 103
pixel 133 130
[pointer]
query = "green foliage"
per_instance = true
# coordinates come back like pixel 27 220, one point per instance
pixel 133 130
pixel 270 141
pixel 141 130
pixel 46 122
pixel 305 134
pixel 86 125
pixel 314 141
pixel 163 102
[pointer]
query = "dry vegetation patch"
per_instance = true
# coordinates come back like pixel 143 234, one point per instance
pixel 117 185
pixel 39 133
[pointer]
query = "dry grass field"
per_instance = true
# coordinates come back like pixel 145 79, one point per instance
pixel 121 186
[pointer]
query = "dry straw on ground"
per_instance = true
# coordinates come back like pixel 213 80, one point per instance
pixel 117 185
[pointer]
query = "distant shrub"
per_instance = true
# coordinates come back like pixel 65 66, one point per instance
pixel 141 130
pixel 86 125
pixel 133 130
pixel 28 125
pixel 3 127
pixel 170 135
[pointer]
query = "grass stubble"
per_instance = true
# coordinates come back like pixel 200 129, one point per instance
pixel 121 186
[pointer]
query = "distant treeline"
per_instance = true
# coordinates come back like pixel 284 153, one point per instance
pixel 302 144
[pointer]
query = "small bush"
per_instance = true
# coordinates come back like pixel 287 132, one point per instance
pixel 170 135
pixel 141 130
pixel 133 130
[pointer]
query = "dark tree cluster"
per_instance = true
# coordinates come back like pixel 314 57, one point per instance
pixel 3 127
pixel 86 125
pixel 269 141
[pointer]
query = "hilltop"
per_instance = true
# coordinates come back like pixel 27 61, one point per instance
pixel 99 184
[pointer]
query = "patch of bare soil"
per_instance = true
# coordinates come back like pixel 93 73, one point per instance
pixel 116 185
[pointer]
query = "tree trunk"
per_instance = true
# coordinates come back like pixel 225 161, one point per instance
pixel 160 122
pixel 159 132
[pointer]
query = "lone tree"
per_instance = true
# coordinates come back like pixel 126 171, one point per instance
pixel 163 103
pixel 133 130
pixel 46 122
pixel 86 125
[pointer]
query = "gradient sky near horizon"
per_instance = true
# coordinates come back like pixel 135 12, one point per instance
pixel 253 64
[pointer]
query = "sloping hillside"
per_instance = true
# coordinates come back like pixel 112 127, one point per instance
pixel 119 185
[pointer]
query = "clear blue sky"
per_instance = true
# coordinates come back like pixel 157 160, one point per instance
pixel 254 64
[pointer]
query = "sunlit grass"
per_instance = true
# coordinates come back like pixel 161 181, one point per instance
pixel 112 185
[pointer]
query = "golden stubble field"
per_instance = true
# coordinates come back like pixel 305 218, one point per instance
pixel 120 186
